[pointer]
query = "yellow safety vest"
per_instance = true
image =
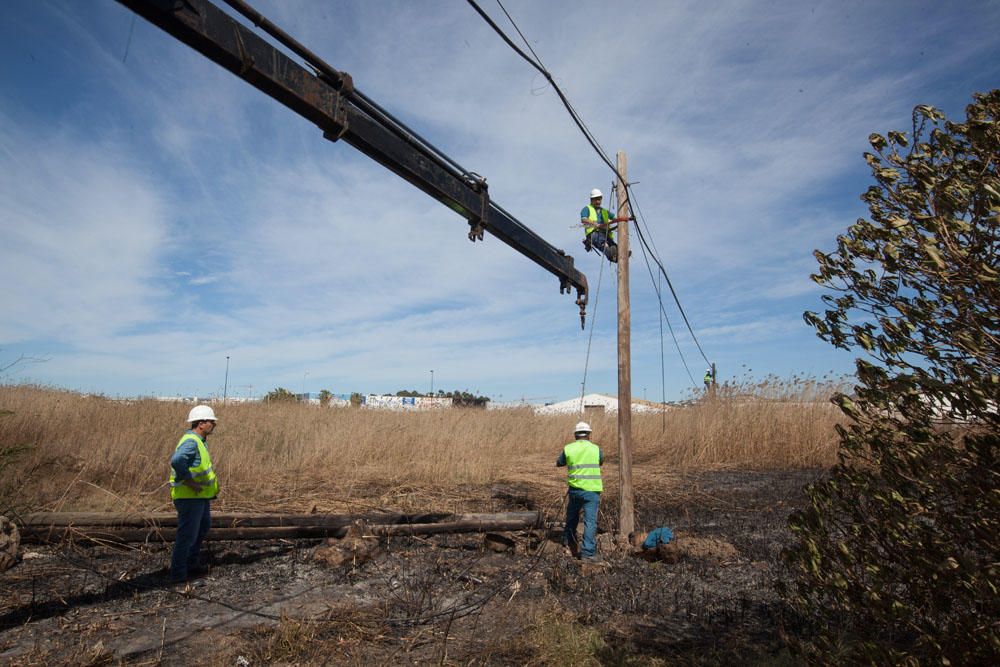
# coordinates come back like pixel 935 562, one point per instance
pixel 201 473
pixel 592 216
pixel 583 466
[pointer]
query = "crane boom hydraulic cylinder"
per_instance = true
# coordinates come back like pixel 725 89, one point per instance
pixel 328 98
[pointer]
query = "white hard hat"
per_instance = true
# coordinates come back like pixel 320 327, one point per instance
pixel 596 193
pixel 582 427
pixel 201 412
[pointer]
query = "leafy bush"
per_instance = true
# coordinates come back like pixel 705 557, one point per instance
pixel 896 553
pixel 280 394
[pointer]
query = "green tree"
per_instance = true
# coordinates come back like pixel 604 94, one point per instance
pixel 896 552
pixel 280 395
pixel 324 397
pixel 465 399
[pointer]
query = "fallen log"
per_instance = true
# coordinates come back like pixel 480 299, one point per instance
pixel 40 520
pixel 336 526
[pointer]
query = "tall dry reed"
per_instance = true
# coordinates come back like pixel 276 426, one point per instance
pixel 86 452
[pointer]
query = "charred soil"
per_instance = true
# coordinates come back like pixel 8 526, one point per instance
pixel 446 599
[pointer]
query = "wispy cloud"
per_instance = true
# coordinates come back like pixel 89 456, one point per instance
pixel 159 214
pixel 83 229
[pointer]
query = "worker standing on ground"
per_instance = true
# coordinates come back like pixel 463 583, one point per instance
pixel 193 485
pixel 599 227
pixel 583 460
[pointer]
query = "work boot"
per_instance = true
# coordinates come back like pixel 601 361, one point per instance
pixel 593 558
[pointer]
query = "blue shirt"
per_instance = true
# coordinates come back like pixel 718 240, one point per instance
pixel 186 456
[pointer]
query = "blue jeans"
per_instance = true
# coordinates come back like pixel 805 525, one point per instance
pixel 193 521
pixel 587 501
pixel 599 239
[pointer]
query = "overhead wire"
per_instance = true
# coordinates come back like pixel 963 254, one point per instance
pixel 663 270
pixel 663 316
pixel 342 82
pixel 536 63
pixel 544 72
pixel 373 109
pixel 663 374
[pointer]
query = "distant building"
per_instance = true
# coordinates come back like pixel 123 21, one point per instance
pixel 378 402
pixel 594 404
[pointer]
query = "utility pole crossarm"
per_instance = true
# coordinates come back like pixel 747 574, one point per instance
pixel 328 99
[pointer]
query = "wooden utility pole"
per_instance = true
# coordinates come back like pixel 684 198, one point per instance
pixel 626 520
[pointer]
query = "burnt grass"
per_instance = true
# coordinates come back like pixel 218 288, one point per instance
pixel 445 599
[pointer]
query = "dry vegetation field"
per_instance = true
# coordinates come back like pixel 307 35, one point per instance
pixel 80 452
pixel 724 471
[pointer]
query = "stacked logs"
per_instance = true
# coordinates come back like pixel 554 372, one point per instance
pixel 47 527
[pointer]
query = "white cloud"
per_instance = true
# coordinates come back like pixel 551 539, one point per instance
pixel 82 230
pixel 163 214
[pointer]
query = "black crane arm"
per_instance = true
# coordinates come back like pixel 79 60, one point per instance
pixel 328 98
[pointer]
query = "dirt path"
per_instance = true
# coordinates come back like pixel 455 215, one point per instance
pixel 442 599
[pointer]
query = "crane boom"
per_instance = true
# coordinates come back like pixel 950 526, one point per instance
pixel 328 98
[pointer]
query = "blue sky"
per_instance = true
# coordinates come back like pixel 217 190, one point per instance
pixel 158 214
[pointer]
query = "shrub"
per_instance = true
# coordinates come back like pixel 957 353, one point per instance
pixel 895 556
pixel 279 395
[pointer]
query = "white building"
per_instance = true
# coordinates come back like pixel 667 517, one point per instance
pixel 594 404
pixel 374 401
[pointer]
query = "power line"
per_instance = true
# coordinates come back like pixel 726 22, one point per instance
pixel 538 66
pixel 523 38
pixel 663 270
pixel 536 63
pixel 663 314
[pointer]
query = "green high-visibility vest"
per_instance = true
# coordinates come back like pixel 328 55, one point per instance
pixel 201 473
pixel 594 216
pixel 583 466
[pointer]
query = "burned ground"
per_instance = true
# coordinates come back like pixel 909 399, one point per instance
pixel 445 599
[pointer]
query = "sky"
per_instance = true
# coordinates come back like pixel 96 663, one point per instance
pixel 167 229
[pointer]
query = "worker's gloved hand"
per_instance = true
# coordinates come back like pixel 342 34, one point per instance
pixel 587 244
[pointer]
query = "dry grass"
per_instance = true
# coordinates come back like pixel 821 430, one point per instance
pixel 86 452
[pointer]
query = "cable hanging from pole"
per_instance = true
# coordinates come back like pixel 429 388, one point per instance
pixel 590 339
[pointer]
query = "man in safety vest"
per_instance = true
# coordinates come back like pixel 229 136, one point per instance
pixel 599 227
pixel 193 485
pixel 583 460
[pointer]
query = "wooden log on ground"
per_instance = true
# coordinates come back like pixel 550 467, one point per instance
pixel 40 520
pixel 222 519
pixel 338 527
pixel 451 527
pixel 143 535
